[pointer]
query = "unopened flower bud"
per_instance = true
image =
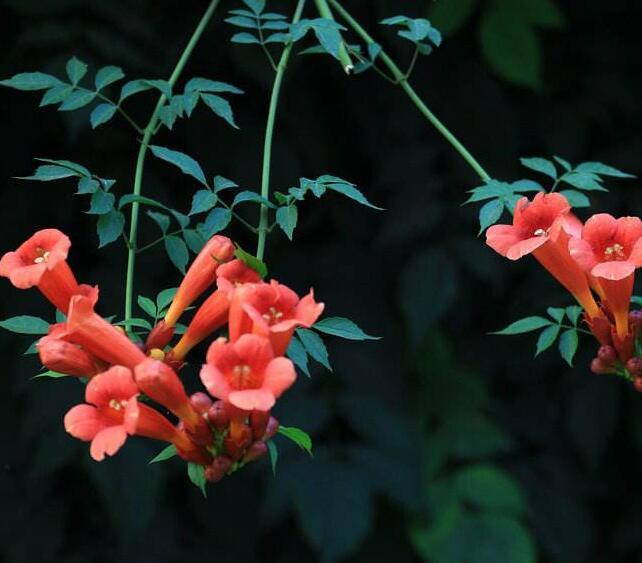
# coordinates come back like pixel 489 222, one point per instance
pixel 218 416
pixel 607 354
pixel 218 468
pixel 235 447
pixel 637 383
pixel 635 320
pixel 599 367
pixel 634 367
pixel 271 429
pixel 156 354
pixel 160 336
pixel 201 402
pixel 258 423
pixel 255 451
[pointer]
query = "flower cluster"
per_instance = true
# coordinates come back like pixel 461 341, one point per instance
pixel 594 261
pixel 244 373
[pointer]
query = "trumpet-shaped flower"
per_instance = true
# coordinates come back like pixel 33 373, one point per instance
pixel 272 310
pixel 610 250
pixel 541 227
pixel 245 373
pixel 64 357
pixel 94 334
pixel 213 313
pixel 200 275
pixel 41 261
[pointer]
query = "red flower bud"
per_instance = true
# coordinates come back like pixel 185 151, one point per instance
pixel 218 468
pixel 607 354
pixel 599 367
pixel 218 415
pixel 258 422
pixel 255 451
pixel 63 357
pixel 637 383
pixel 160 336
pixel 634 367
pixel 201 402
pixel 235 446
pixel 271 429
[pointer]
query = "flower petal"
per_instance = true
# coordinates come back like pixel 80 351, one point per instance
pixel 215 382
pixel 115 383
pixel 254 350
pixel 84 422
pixel 582 253
pixel 107 442
pixel 279 375
pixel 616 270
pixel 252 399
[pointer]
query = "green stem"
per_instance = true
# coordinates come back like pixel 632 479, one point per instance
pixel 142 154
pixel 269 134
pixel 421 106
pixel 344 57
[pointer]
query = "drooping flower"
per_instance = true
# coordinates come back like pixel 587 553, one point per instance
pixel 213 313
pixel 541 228
pixel 272 310
pixel 610 250
pixel 41 262
pixel 94 334
pixel 63 357
pixel 160 383
pixel 114 413
pixel 200 275
pixel 245 373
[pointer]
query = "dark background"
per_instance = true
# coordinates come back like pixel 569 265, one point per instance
pixel 439 442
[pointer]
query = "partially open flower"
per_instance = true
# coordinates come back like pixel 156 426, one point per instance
pixel 93 333
pixel 245 373
pixel 272 310
pixel 610 250
pixel 540 227
pixel 200 275
pixel 41 262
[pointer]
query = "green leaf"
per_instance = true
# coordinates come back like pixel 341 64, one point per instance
pixel 298 436
pixel 568 345
pixel 546 338
pixel 221 183
pixel 101 203
pixel 286 218
pixel 177 252
pixel 527 324
pixel 557 313
pixel 141 85
pixel 510 45
pixel 196 474
pixel 27 81
pixel 451 16
pixel 273 453
pixel 490 213
pixel 296 352
pixel 202 201
pixel 220 106
pixel 350 191
pixel 343 328
pixel 244 38
pixel 242 21
pixel 51 374
pixel 603 170
pixel 164 298
pixel 257 6
pixel 76 69
pixel 186 163
pixel 108 75
pixel 247 195
pixel 194 239
pixel 87 186
pixel 56 95
pixel 147 305
pixel 49 172
pixel 160 219
pixel 207 85
pixel 540 165
pixel 575 198
pixel 75 167
pixel 25 324
pixel 134 198
pixel 77 99
pixel 314 346
pixel 110 227
pixel 583 181
pixel 455 434
pixel 217 220
pixel 573 312
pixel 165 454
pixel 489 488
pixel 251 261
pixel 102 113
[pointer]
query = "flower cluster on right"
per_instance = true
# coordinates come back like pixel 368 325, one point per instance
pixel 595 261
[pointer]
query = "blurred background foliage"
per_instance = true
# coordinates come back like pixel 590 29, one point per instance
pixel 438 443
